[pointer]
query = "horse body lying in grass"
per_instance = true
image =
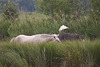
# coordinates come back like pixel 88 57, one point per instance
pixel 70 36
pixel 39 38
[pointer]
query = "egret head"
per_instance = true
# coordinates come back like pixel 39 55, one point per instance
pixel 63 27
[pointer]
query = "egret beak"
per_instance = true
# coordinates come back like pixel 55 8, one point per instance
pixel 68 28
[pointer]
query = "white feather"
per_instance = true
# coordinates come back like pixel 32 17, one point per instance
pixel 63 27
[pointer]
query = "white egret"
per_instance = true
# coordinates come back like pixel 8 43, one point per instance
pixel 63 27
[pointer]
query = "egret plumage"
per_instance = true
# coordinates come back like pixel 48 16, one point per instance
pixel 63 27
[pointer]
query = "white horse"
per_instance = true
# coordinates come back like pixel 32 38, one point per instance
pixel 39 38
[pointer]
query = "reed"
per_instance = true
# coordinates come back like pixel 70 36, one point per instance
pixel 65 54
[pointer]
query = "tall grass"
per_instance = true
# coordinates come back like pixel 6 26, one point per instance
pixel 88 28
pixel 4 25
pixel 35 23
pixel 33 26
pixel 66 54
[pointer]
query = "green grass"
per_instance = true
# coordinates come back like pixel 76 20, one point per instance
pixel 36 23
pixel 66 54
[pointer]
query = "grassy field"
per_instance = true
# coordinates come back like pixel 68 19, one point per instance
pixel 36 23
pixel 65 54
